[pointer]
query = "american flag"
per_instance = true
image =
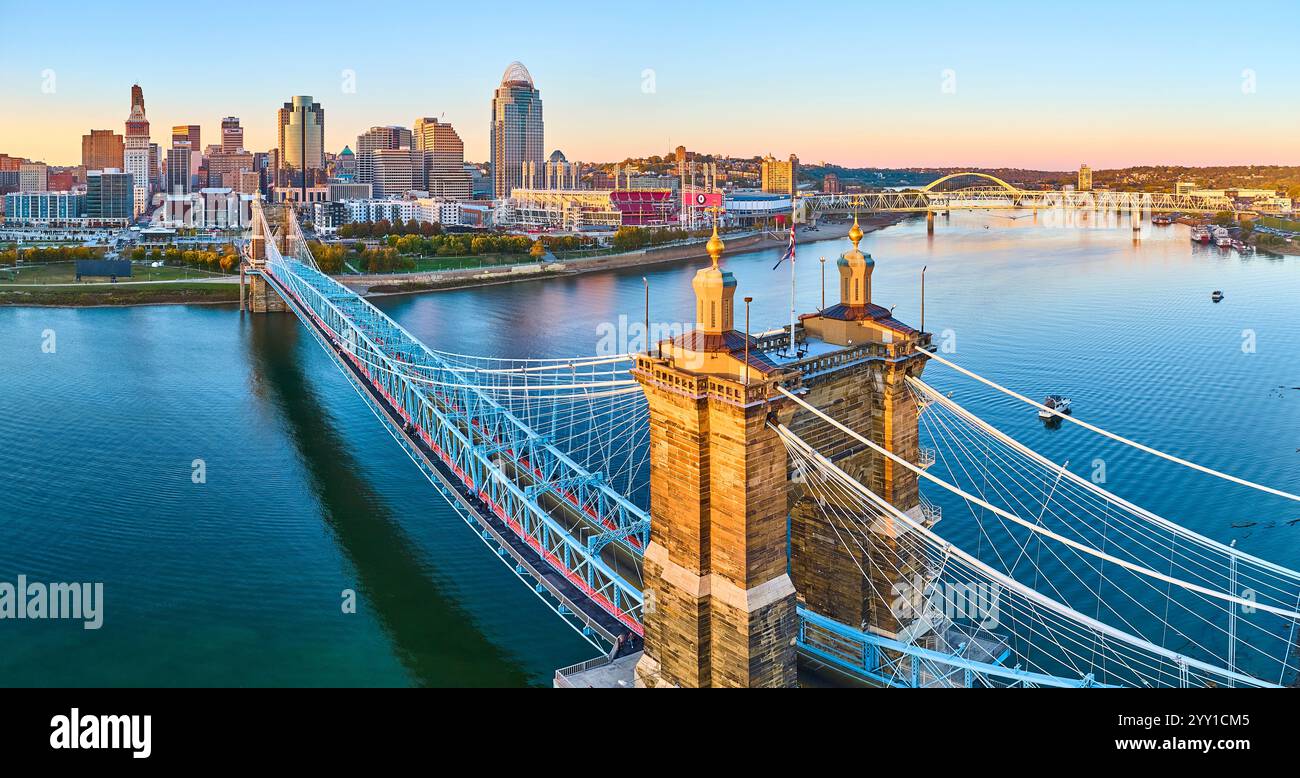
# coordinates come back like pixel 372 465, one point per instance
pixel 789 251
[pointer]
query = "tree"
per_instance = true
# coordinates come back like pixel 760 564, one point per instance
pixel 538 250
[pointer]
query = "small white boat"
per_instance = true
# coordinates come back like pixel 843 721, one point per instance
pixel 1054 402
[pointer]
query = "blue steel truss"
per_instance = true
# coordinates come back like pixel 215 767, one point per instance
pixel 491 454
pixel 887 662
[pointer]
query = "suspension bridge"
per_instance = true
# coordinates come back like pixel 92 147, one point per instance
pixel 726 508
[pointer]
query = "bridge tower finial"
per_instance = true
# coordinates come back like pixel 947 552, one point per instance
pixel 855 270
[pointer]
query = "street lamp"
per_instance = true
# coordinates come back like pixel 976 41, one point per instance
pixel 923 267
pixel 646 283
pixel 748 300
pixel 823 284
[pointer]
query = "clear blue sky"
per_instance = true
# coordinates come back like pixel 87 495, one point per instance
pixel 1040 84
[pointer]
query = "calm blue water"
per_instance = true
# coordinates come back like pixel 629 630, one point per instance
pixel 238 581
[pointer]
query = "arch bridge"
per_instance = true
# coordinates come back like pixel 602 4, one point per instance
pixel 994 193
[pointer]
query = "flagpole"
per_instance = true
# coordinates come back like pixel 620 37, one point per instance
pixel 794 354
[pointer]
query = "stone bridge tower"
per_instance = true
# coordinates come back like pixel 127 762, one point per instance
pixel 857 373
pixel 719 603
pixel 261 296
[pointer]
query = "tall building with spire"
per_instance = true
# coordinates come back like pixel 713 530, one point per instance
pixel 517 131
pixel 138 157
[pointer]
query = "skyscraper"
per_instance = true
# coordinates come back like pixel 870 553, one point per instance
pixel 191 133
pixel 395 171
pixel 375 139
pixel 444 160
pixel 138 158
pixel 178 167
pixel 232 135
pixel 101 149
pixel 516 132
pixel 1085 178
pixel 302 138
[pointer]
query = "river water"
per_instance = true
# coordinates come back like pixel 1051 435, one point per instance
pixel 239 579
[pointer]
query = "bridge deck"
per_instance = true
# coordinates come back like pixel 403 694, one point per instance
pixel 476 511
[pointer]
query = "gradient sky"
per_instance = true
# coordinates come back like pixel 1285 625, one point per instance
pixel 1041 85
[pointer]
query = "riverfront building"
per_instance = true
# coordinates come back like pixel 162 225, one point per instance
pixel 44 208
pixel 517 131
pixel 109 195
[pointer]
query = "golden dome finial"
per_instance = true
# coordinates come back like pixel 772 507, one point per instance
pixel 855 232
pixel 715 245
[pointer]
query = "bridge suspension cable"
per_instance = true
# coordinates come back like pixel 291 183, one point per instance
pixel 1051 637
pixel 1289 613
pixel 991 464
pixel 1118 438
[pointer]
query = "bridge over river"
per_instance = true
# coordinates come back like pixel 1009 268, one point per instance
pixel 727 506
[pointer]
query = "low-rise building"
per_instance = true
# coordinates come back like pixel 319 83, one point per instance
pixel 45 208
pixel 214 208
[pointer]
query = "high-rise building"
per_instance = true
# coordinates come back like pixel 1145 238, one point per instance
pixel 178 168
pixel 301 125
pixel 444 160
pixel 109 195
pixel 1085 178
pixel 395 171
pixel 224 168
pixel 517 129
pixel 139 157
pixel 33 177
pixel 780 176
pixel 831 184
pixel 375 139
pixel 191 133
pixel 101 149
pixel 232 135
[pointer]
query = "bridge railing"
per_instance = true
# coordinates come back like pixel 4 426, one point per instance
pixel 493 454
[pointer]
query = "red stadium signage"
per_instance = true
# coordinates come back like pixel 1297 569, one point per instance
pixel 704 199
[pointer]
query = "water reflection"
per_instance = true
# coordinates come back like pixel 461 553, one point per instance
pixel 435 640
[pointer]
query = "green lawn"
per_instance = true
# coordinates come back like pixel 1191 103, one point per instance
pixel 66 273
pixel 118 294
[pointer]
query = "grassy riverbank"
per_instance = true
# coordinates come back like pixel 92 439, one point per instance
pixel 89 295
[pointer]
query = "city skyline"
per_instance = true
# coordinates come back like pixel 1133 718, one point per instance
pixel 979 87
